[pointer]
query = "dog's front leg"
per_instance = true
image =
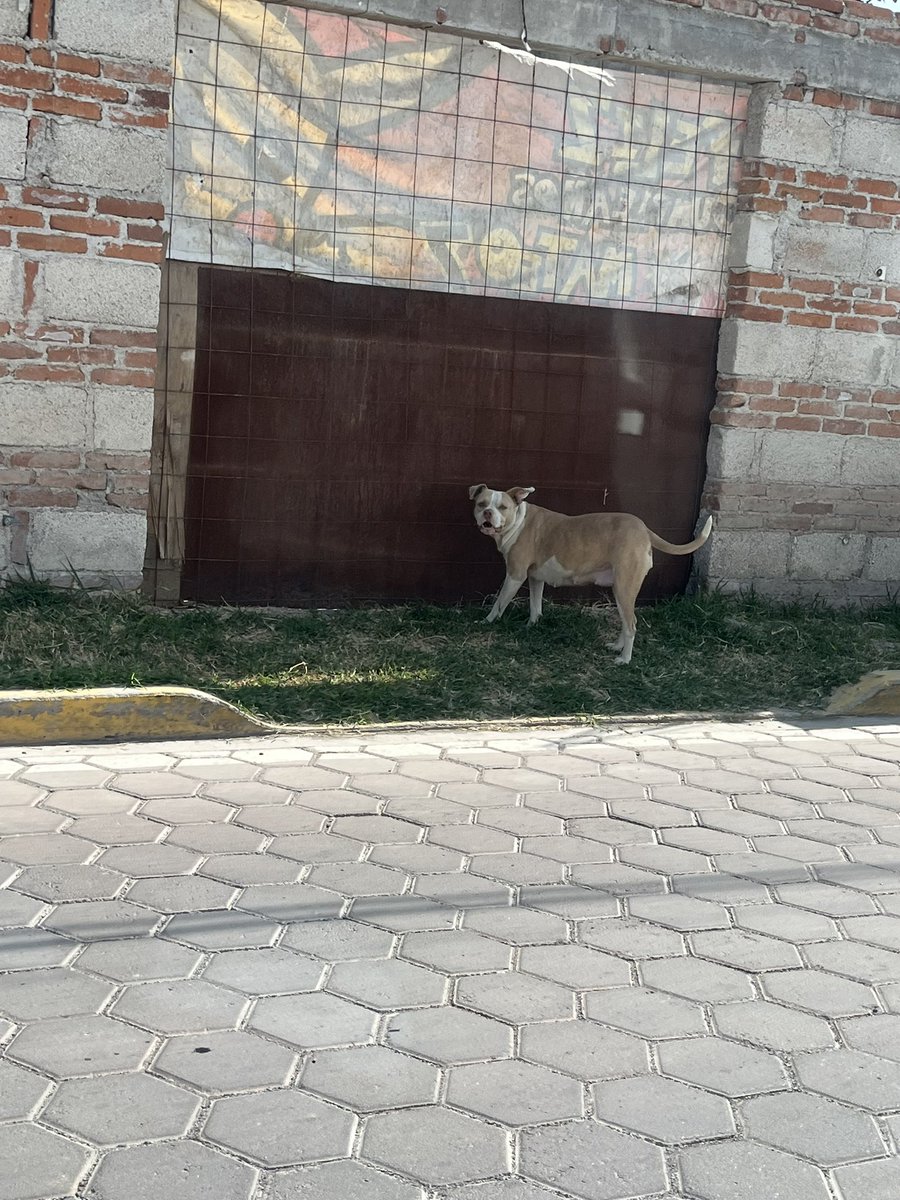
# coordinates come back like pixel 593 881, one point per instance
pixel 506 593
pixel 535 599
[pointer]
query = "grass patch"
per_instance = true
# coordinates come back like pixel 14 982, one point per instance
pixel 701 653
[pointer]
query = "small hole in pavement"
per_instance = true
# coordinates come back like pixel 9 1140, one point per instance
pixel 202 1049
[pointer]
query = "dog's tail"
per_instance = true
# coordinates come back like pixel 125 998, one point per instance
pixel 659 543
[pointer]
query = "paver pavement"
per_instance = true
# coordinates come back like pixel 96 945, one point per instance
pixel 544 965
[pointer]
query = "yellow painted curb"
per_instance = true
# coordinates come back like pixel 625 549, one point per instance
pixel 119 715
pixel 875 695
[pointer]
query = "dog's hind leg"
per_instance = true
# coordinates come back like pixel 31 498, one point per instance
pixel 535 599
pixel 627 582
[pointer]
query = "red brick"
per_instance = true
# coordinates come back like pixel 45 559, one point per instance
pixel 130 338
pixel 876 429
pixel 825 286
pixel 823 179
pixel 13 54
pixel 92 226
pixel 807 424
pixel 774 13
pixel 5 239
pixel 812 507
pixel 76 65
pixel 16 350
pixel 761 204
pixel 892 37
pixel 45 458
pixel 88 481
pixel 844 199
pixel 886 396
pixel 801 391
pixel 868 12
pixel 147 254
pixel 771 404
pixel 34 497
pixel 892 327
pixel 830 305
pixel 40 56
pixel 818 320
pixel 139 209
pixel 892 293
pixel 25 79
pixel 7 101
pixel 132 74
pixel 40 23
pixel 92 355
pixel 154 98
pixel 122 378
pixel 135 482
pixel 836 25
pixel 86 87
pixel 843 426
pixel 822 214
pixel 136 500
pixel 47 197
pixel 886 206
pixel 750 387
pixel 750 186
pixel 782 299
pixel 868 309
pixel 751 312
pixel 121 116
pixel 21 217
pixel 117 462
pixel 742 420
pixel 86 110
pixel 10 475
pixel 866 412
pixel 870 221
pixel 831 6
pixel 141 358
pixel 54 242
pixel 816 408
pixel 742 8
pixel 43 373
pixel 876 187
pixel 857 324
pixel 827 98
pixel 796 192
pixel 145 233
pixel 29 291
pixel 759 278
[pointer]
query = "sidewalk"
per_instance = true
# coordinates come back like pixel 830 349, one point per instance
pixel 656 962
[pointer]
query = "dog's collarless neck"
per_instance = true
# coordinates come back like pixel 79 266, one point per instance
pixel 508 540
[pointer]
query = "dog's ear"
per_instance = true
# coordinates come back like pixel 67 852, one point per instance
pixel 475 489
pixel 519 493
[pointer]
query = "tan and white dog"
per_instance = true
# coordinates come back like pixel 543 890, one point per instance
pixel 606 549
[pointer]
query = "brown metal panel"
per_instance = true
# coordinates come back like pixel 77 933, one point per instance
pixel 337 426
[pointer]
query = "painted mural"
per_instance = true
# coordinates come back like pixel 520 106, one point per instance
pixel 372 153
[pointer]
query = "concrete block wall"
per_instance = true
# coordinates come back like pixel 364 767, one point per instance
pixel 804 455
pixel 84 99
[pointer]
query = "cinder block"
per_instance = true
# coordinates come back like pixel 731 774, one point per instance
pixel 828 556
pixel 792 456
pixel 871 145
pixel 846 357
pixel 83 155
pixel 752 242
pixel 13 141
pixel 798 133
pixel 756 349
pixel 108 542
pixel 13 19
pixel 123 419
pixel 869 460
pixel 824 249
pixel 42 414
pixel 12 280
pixel 144 31
pixel 745 554
pixel 733 453
pixel 884 560
pixel 102 291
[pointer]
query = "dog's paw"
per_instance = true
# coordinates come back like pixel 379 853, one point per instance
pixel 490 618
pixel 614 645
pixel 622 661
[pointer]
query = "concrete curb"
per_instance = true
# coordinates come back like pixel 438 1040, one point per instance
pixel 875 695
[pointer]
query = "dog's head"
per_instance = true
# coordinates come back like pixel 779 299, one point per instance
pixel 495 510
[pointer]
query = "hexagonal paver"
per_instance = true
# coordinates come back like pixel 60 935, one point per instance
pixel 515 997
pixel 864 1080
pixel 596 1162
pixel 826 898
pixel 722 1066
pixel 133 959
pixel 820 992
pixel 387 983
pixel 514 1093
pixel 23 819
pixel 18 910
pixel 696 979
pixel 518 926
pixel 338 939
pixel 65 775
pixel 789 924
pixel 630 938
pixel 773 1026
pixel 679 912
pixel 97 920
pixel 67 1047
pixel 456 951
pixel 127 1108
pixel 744 950
pixel 403 914
pixel 45 1164
pixel 280 819
pixel 150 858
pixel 867 964
pixel 574 966
pixel 185 811
pixel 339 802
pixel 179 1006
pixel 216 769
pixel 220 837
pixel 370 1078
pixel 44 848
pixel 69 882
pixel 346 1178
pixel 21 1091
pixel 583 1049
pixel 881 930
pixel 181 893
pixel 225 1062
pixel 291 902
pixel 381 830
pixel 280 1128
pixel 222 929
pixel 644 1011
pixel 303 778
pixel 52 992
pixel 749 1171
pixel 264 972
pixel 245 869
pixel 420 858
pixel 115 829
pixel 449 1035
pixel 313 1019
pixel 878 1180
pixel 569 902
pixel 663 1110
pixel 464 891
pixel 184 1169
pixel 812 1127
pixel 151 784
pixel 358 879
pixel 436 1145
